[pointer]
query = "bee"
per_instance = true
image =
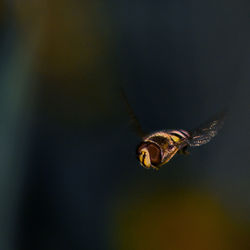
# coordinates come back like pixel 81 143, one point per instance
pixel 158 148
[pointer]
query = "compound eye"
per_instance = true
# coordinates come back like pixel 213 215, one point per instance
pixel 170 147
pixel 140 147
pixel 155 153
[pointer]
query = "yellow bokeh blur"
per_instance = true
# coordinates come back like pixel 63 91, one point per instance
pixel 73 57
pixel 72 40
pixel 175 221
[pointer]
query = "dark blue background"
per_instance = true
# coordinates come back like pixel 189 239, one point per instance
pixel 67 147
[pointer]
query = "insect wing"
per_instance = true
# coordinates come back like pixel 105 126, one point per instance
pixel 136 125
pixel 204 133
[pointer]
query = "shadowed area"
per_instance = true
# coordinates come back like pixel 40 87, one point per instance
pixel 69 175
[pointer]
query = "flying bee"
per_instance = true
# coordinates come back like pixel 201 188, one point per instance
pixel 158 148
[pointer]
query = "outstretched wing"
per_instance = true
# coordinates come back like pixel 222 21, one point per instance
pixel 204 133
pixel 137 127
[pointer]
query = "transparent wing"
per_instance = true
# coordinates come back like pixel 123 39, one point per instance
pixel 204 133
pixel 137 127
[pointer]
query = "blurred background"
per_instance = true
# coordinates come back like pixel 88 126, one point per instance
pixel 69 178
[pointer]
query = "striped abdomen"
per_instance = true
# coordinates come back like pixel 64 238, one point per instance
pixel 180 134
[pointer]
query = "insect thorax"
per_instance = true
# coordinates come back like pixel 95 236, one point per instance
pixel 162 139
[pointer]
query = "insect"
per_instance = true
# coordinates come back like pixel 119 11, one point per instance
pixel 158 148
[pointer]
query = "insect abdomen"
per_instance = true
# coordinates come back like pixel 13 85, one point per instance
pixel 181 134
